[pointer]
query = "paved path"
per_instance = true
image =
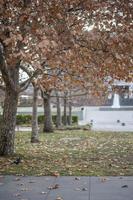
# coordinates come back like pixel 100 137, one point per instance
pixel 66 188
pixel 110 126
pixel 23 128
pixel 115 127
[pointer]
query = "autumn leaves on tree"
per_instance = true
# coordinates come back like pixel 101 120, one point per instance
pixel 78 42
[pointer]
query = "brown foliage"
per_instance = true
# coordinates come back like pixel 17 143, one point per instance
pixel 55 34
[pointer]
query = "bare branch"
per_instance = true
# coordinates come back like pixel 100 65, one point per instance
pixel 24 85
pixel 25 69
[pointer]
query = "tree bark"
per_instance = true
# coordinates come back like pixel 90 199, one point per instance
pixel 48 126
pixel 58 118
pixel 70 113
pixel 65 109
pixel 7 130
pixel 34 133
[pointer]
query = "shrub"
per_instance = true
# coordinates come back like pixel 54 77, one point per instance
pixel 40 119
pixel 26 119
pixel 54 117
pixel 23 119
pixel 74 119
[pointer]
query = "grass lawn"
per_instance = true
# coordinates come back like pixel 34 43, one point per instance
pixel 72 153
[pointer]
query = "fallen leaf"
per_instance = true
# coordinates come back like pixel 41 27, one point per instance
pixel 43 192
pixel 59 198
pixel 124 186
pixel 84 189
pixel 16 179
pixel 56 174
pixel 20 184
pixel 103 180
pixel 77 189
pixel 17 195
pixel 32 181
pixel 56 186
pixel 23 199
pixel 24 189
pixel 77 178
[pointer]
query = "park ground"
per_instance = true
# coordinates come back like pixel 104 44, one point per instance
pixel 72 153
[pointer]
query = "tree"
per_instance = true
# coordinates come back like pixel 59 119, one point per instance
pixel 13 34
pixel 35 134
pixel 12 90
pixel 56 33
pixel 70 109
pixel 48 125
pixel 65 109
pixel 58 118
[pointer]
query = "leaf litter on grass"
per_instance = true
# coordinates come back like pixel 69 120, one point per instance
pixel 73 153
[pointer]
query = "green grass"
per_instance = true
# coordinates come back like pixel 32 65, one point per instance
pixel 72 153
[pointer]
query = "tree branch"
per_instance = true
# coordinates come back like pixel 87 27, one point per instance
pixel 24 68
pixel 24 85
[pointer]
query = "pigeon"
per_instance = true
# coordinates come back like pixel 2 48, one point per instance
pixel 17 161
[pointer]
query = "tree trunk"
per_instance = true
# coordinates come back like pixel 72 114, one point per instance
pixel 48 126
pixel 65 109
pixel 58 118
pixel 7 130
pixel 34 133
pixel 70 113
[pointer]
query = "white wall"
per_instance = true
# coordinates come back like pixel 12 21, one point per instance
pixel 93 113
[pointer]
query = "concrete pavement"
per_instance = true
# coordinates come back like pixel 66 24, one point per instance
pixel 65 188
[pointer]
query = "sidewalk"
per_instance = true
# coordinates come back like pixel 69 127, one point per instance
pixel 109 126
pixel 66 188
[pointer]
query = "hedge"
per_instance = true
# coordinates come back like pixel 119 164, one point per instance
pixel 26 119
pixel 23 119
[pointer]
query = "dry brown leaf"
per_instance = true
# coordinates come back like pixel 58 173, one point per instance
pixel 56 186
pixel 59 198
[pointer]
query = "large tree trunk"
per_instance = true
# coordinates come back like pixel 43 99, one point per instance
pixel 35 134
pixel 65 109
pixel 48 126
pixel 7 129
pixel 58 118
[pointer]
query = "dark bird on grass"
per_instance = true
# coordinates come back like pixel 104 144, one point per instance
pixel 17 161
